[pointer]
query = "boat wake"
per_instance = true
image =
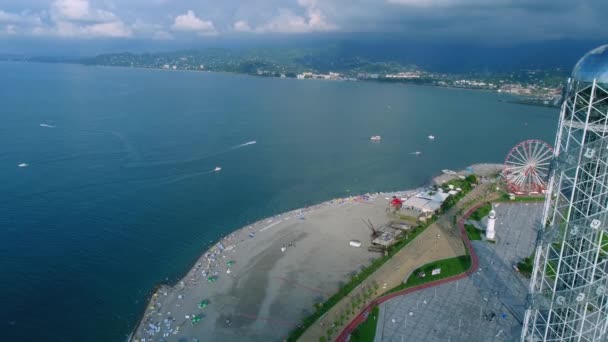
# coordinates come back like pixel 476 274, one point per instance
pixel 186 176
pixel 47 126
pixel 252 142
pixel 188 161
pixel 416 153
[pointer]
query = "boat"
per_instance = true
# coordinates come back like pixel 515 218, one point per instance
pixel 375 138
pixel 431 137
pixel 449 172
pixel 217 169
pixel 22 165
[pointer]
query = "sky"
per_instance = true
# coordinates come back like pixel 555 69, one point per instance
pixel 486 21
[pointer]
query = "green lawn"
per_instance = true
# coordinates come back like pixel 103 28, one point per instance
pixel 482 212
pixel 472 232
pixel 366 331
pixel 449 267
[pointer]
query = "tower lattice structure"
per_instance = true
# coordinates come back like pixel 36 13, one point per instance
pixel 568 296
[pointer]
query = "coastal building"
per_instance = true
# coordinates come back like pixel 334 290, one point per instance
pixel 427 201
pixel 568 293
pixel 404 75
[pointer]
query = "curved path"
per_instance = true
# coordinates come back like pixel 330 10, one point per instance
pixel 343 336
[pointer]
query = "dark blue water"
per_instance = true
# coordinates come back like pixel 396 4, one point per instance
pixel 117 196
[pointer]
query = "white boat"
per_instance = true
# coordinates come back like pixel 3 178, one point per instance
pixel 375 138
pixel 217 169
pixel 431 137
pixel 449 172
pixel 22 165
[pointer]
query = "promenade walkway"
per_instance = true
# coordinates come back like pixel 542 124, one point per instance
pixel 439 241
pixel 488 305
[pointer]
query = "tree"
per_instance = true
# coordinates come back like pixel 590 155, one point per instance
pixel 471 179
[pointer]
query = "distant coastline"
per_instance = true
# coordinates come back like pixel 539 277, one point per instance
pixel 518 98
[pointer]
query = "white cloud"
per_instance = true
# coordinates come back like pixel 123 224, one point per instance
pixel 80 11
pixel 9 29
pixel 66 18
pixel 189 22
pixel 78 19
pixel 21 18
pixel 6 17
pixel 112 29
pixel 289 22
pixel 242 26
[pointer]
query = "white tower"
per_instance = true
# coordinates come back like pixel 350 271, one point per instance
pixel 568 296
pixel 490 231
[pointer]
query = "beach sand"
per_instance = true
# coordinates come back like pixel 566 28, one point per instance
pixel 282 266
pixel 268 291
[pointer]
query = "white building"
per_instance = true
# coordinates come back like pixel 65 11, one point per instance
pixel 428 201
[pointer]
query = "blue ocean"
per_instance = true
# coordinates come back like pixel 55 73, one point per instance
pixel 107 189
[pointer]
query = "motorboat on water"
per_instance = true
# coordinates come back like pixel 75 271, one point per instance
pixel 217 169
pixel 23 165
pixel 431 137
pixel 375 138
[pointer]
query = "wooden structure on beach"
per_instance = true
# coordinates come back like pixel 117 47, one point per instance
pixel 389 233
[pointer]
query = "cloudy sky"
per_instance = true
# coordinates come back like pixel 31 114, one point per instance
pixel 483 20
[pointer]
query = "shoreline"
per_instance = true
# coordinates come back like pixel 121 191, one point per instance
pixel 210 262
pixel 162 286
pixel 234 73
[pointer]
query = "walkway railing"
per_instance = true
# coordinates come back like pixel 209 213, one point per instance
pixel 362 316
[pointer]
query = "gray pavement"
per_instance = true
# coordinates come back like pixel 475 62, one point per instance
pixel 486 306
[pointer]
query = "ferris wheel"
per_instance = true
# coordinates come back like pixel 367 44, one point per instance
pixel 526 167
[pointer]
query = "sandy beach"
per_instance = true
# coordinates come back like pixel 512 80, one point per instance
pixel 260 281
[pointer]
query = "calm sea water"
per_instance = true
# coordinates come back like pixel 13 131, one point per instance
pixel 117 195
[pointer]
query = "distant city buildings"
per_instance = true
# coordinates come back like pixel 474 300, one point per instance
pixel 331 76
pixel 404 75
pixel 537 87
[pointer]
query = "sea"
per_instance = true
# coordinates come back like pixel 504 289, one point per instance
pixel 107 185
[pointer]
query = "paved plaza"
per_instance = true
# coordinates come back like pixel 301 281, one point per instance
pixel 486 306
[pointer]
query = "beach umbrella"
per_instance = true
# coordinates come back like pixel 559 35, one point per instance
pixel 203 304
pixel 212 279
pixel 230 263
pixel 196 319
